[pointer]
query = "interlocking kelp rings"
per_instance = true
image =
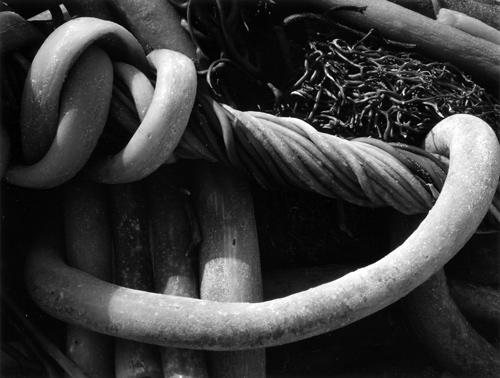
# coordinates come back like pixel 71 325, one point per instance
pixel 59 134
pixel 56 141
pixel 362 88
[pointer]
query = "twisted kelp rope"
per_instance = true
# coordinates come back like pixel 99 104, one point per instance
pixel 281 151
pixel 346 89
pixel 288 152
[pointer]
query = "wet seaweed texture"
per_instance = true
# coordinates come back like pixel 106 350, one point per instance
pixel 360 88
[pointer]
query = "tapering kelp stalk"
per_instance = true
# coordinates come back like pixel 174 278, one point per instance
pixel 133 268
pixel 88 248
pixel 174 235
pixel 229 256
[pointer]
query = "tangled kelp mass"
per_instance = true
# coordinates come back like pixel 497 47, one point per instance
pixel 359 88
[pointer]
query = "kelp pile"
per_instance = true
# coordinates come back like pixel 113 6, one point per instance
pixel 340 80
pixel 130 217
pixel 360 88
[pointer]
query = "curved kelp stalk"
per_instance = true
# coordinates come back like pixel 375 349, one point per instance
pixel 472 179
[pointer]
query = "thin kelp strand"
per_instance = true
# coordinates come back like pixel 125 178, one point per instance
pixel 227 133
pixel 355 165
pixel 265 157
pixel 210 129
pixel 340 165
pixel 272 145
pixel 305 151
pixel 290 155
pixel 315 172
pixel 443 166
pixel 253 165
pixel 259 153
pixel 333 148
pixel 385 185
pixel 324 169
pixel 433 171
pixel 403 180
pixel 191 145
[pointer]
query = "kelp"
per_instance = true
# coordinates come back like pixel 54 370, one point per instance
pixel 361 88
